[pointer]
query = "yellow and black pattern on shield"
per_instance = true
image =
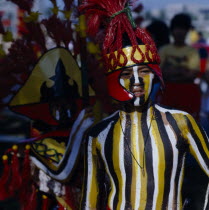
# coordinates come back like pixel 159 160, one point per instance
pixel 50 149
pixel 43 71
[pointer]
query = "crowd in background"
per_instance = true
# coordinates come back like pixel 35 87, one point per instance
pixel 185 64
pixel 185 70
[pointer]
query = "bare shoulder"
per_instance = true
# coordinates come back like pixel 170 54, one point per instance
pixel 170 110
pixel 175 116
pixel 103 125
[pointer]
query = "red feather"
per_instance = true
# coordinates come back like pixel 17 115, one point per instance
pixel 31 203
pixel 114 15
pixel 16 179
pixel 4 194
pixel 16 67
pixel 98 14
pixel 59 30
pixel 26 193
pixel 35 34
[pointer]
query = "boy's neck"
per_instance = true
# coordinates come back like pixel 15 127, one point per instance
pixel 131 108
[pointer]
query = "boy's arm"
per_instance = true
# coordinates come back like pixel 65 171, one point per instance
pixel 198 143
pixel 90 191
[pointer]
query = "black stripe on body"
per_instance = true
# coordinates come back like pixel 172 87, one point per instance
pixel 101 126
pixel 204 135
pixel 108 150
pixel 102 199
pixel 128 161
pixel 182 147
pixel 198 143
pixel 168 157
pixel 142 100
pixel 148 164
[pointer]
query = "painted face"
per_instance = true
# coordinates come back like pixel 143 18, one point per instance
pixel 137 80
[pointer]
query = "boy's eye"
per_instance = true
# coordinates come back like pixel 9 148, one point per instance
pixel 126 74
pixel 144 71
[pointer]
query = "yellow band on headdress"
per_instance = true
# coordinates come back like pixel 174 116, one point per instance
pixel 134 55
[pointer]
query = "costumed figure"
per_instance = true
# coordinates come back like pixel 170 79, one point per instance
pixel 51 97
pixel 135 158
pixel 59 122
pixel 48 89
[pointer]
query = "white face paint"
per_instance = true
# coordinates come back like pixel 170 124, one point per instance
pixel 136 79
pixel 136 74
pixel 137 102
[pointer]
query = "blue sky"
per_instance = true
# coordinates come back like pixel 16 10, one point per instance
pixel 161 3
pixel 150 4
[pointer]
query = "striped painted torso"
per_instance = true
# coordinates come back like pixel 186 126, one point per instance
pixel 143 157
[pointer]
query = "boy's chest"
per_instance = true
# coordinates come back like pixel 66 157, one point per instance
pixel 138 145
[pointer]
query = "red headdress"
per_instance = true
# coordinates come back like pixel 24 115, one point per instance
pixel 124 44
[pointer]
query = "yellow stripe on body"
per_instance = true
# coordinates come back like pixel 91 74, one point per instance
pixel 118 161
pixel 181 178
pixel 143 192
pixel 184 129
pixel 98 146
pixel 182 125
pixel 158 145
pixel 139 180
pixel 187 135
pixel 135 152
pixel 199 134
pixel 92 191
pixel 101 147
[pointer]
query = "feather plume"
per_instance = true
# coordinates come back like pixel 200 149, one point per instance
pixel 59 30
pixel 115 16
pixel 25 51
pixel 21 56
pixel 36 34
pixel 15 67
pixel 68 4
pixel 110 14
